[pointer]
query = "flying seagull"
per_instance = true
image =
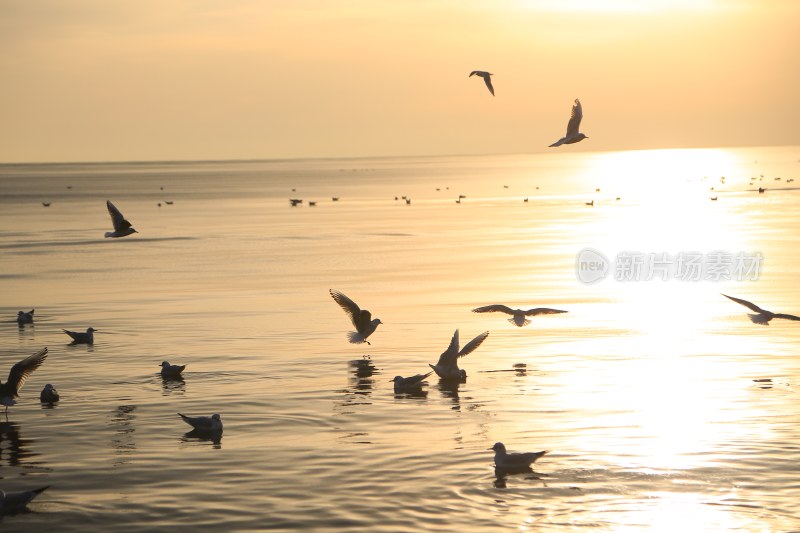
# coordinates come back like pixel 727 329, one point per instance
pixel 122 227
pixel 25 318
pixel 574 124
pixel 18 375
pixel 447 367
pixel 81 338
pixel 763 316
pixel 517 315
pixel 12 502
pixel 486 78
pixel 362 319
pixel 409 384
pixel 210 424
pixel 510 461
pixel 171 371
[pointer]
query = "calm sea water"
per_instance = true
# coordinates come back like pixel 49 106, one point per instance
pixel 644 392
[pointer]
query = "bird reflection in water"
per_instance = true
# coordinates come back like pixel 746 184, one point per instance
pixel 449 389
pixel 121 419
pixel 170 385
pixel 13 448
pixel 501 475
pixel 214 437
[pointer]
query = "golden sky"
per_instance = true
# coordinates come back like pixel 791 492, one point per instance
pixel 219 79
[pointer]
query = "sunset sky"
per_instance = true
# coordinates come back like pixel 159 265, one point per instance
pixel 93 80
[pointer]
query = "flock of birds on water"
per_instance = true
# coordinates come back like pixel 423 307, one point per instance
pixel 446 367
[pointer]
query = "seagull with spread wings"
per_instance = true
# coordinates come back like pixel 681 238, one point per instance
pixel 122 227
pixel 762 316
pixel 573 125
pixel 486 78
pixel 18 375
pixel 447 366
pixel 362 319
pixel 518 316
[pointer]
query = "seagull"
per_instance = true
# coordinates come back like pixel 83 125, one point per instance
pixel 122 227
pixel 518 315
pixel 18 375
pixel 171 371
pixel 447 367
pixel 11 502
pixel 486 77
pixel 49 394
pixel 410 384
pixel 25 318
pixel 210 424
pixel 81 338
pixel 572 127
pixel 362 319
pixel 763 316
pixel 510 461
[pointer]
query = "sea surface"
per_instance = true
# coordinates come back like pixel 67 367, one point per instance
pixel 662 406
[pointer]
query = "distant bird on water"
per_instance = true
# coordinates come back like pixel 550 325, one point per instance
pixel 409 384
pixel 18 375
pixel 171 371
pixel 513 461
pixel 447 366
pixel 12 502
pixel 762 316
pixel 49 394
pixel 122 227
pixel 362 319
pixel 486 78
pixel 210 424
pixel 81 338
pixel 573 125
pixel 518 316
pixel 25 318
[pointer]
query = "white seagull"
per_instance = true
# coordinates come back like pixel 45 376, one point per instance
pixel 410 384
pixel 12 502
pixel 509 461
pixel 25 318
pixel 763 316
pixel 573 125
pixel 486 78
pixel 49 394
pixel 362 319
pixel 210 424
pixel 122 227
pixel 447 367
pixel 171 371
pixel 18 375
pixel 81 338
pixel 517 315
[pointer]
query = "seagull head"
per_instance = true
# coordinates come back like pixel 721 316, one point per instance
pixel 90 330
pixel 216 417
pixel 498 447
pixel 164 364
pixel 397 379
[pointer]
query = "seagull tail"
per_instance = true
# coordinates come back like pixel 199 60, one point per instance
pixel 355 337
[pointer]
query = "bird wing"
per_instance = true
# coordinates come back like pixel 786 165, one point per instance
pixel 415 380
pixel 116 217
pixel 787 317
pixel 575 119
pixel 450 356
pixel 749 305
pixel 20 371
pixel 474 343
pixel 492 308
pixel 488 81
pixel 543 311
pixel 362 320
pixel 349 307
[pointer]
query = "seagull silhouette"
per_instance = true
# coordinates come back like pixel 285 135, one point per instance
pixel 25 318
pixel 509 461
pixel 211 424
pixel 362 319
pixel 49 394
pixel 12 502
pixel 447 366
pixel 409 384
pixel 80 337
pixel 122 227
pixel 18 375
pixel 517 315
pixel 762 316
pixel 486 78
pixel 171 371
pixel 574 124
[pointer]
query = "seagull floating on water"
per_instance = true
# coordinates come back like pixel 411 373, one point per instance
pixel 574 124
pixel 510 461
pixel 447 367
pixel 209 424
pixel 49 394
pixel 81 338
pixel 122 227
pixel 410 384
pixel 12 502
pixel 25 318
pixel 171 371
pixel 486 78
pixel 18 375
pixel 362 319
pixel 517 315
pixel 762 316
